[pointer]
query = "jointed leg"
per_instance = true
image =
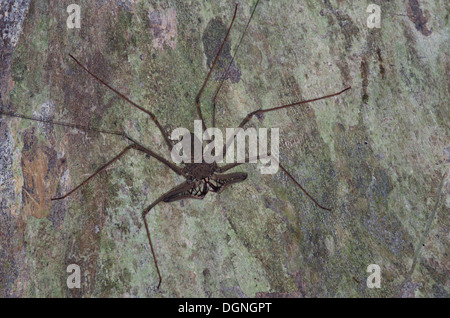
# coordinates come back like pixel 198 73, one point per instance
pixel 233 165
pixel 161 198
pixel 133 146
pixel 224 76
pixel 304 191
pixel 96 173
pixel 260 111
pixel 179 192
pixel 63 124
pixel 141 148
pixel 247 119
pixel 152 116
pixel 197 99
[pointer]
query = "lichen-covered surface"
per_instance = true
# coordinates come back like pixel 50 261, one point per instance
pixel 377 154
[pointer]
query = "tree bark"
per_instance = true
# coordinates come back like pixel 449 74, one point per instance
pixel 377 155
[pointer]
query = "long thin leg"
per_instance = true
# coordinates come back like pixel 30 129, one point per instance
pixel 141 148
pixel 133 146
pixel 260 111
pixel 152 116
pixel 224 75
pixel 64 124
pixel 197 99
pixel 161 198
pixel 233 165
pixel 304 191
pixel 96 173
pixel 179 192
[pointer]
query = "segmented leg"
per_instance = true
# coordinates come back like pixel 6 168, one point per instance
pixel 152 116
pixel 235 164
pixel 133 146
pixel 96 173
pixel 224 76
pixel 180 192
pixel 63 124
pixel 197 99
pixel 260 111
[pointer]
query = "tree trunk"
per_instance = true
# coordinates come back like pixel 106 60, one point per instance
pixel 376 155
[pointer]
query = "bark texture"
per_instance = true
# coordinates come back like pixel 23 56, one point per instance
pixel 377 155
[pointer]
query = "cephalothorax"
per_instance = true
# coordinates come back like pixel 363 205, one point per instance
pixel 200 178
